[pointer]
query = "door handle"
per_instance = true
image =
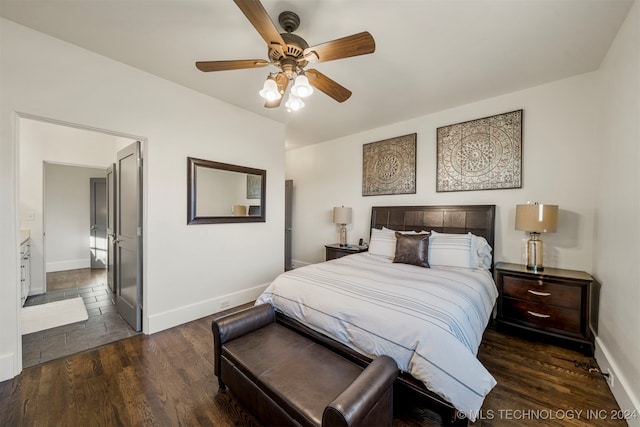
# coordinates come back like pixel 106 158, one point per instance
pixel 116 241
pixel 93 227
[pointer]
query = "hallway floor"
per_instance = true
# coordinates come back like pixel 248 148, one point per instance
pixel 103 326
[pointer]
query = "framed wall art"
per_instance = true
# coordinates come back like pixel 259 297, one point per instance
pixel 389 166
pixel 481 154
pixel 254 186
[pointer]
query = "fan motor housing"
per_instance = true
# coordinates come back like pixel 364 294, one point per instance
pixel 293 51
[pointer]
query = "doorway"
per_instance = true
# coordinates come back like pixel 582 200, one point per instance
pixel 41 142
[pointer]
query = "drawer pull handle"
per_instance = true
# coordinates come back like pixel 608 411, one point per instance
pixel 540 294
pixel 534 314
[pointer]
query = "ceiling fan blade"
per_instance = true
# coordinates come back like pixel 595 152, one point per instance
pixel 231 65
pixel 354 45
pixel 328 86
pixel 282 81
pixel 259 18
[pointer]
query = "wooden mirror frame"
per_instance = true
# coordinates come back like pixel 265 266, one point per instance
pixel 192 185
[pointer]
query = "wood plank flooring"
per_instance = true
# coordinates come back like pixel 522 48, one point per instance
pixel 166 379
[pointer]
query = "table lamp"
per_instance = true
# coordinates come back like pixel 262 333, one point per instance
pixel 535 219
pixel 342 216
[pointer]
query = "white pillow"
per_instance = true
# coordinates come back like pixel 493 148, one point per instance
pixel 383 242
pixel 459 250
pixel 482 249
pixel 450 250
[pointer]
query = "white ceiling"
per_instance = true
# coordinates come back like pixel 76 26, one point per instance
pixel 430 54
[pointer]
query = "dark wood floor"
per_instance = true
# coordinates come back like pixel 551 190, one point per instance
pixel 166 379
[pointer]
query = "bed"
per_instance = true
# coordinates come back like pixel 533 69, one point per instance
pixel 430 320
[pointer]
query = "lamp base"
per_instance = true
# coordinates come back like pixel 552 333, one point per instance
pixel 343 236
pixel 534 252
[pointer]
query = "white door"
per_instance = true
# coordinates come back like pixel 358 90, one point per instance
pixel 128 243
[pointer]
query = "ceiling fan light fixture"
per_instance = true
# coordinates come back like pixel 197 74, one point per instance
pixel 301 87
pixel 294 103
pixel 270 90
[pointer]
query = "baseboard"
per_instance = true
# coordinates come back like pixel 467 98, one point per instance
pixel 72 264
pixel 628 402
pixel 169 319
pixel 7 366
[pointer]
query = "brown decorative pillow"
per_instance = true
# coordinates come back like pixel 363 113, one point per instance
pixel 412 249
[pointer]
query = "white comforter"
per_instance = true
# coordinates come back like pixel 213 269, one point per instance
pixel 430 320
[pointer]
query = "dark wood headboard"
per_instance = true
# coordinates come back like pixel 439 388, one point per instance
pixel 460 219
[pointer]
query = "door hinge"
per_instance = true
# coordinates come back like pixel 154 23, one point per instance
pixel 139 232
pixel 139 162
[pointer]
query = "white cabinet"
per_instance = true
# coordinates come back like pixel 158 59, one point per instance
pixel 25 269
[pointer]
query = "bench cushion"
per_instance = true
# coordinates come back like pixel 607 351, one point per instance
pixel 298 374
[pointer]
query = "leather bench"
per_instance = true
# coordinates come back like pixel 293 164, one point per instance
pixel 284 378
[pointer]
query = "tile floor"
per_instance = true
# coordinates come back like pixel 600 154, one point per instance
pixel 103 326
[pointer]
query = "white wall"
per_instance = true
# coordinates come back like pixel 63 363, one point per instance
pixel 559 146
pixel 40 142
pixel 617 249
pixel 67 216
pixel 189 271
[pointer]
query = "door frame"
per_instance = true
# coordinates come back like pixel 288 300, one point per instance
pixel 16 179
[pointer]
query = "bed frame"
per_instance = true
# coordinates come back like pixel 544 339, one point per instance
pixel 458 219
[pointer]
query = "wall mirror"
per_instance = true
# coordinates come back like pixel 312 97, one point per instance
pixel 222 193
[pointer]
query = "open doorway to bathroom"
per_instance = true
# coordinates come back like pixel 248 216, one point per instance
pixel 60 173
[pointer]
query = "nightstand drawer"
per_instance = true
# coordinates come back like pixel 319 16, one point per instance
pixel 542 291
pixel 547 316
pixel 337 254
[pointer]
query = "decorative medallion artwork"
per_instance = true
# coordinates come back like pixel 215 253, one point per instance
pixel 389 166
pixel 482 154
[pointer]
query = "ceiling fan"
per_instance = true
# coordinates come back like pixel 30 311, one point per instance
pixel 291 54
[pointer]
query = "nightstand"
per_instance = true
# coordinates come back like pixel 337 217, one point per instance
pixel 554 302
pixel 334 250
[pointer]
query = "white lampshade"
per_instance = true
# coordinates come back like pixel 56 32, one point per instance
pixel 342 215
pixel 270 90
pixel 294 103
pixel 301 87
pixel 537 218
